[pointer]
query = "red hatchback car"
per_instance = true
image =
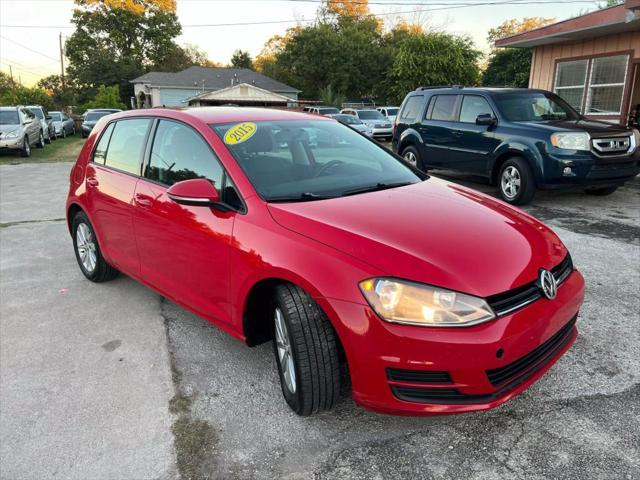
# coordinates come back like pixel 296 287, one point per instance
pixel 295 228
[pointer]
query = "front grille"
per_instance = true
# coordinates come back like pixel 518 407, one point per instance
pixel 611 146
pixel 514 299
pixel 505 378
pixel 417 376
pixel 532 360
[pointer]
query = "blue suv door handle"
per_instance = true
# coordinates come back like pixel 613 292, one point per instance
pixel 457 133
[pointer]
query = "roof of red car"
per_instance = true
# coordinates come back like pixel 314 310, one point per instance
pixel 226 114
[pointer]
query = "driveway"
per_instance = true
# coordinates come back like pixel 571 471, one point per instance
pixel 86 373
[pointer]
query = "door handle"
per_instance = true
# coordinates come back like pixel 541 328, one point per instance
pixel 457 133
pixel 143 200
pixel 92 182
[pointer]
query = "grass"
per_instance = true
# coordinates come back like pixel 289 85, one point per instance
pixel 60 150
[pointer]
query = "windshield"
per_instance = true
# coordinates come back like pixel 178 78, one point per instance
pixel 370 115
pixel 325 111
pixel 348 119
pixel 534 107
pixel 95 116
pixel 9 117
pixel 392 111
pixel 297 160
pixel 56 116
pixel 37 112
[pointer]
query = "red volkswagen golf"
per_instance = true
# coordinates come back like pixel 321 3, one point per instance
pixel 282 226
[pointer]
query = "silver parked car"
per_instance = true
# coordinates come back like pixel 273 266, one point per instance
pixel 45 120
pixel 389 112
pixel 373 119
pixel 353 122
pixel 63 125
pixel 19 130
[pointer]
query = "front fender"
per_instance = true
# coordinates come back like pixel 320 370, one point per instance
pixel 526 150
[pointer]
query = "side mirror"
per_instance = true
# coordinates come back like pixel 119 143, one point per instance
pixel 27 122
pixel 198 191
pixel 485 119
pixel 48 117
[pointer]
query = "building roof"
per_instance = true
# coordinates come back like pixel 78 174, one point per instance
pixel 214 79
pixel 242 93
pixel 617 19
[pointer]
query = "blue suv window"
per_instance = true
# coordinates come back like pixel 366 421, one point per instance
pixel 444 107
pixel 412 108
pixel 472 106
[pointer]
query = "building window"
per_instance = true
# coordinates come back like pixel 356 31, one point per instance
pixel 593 86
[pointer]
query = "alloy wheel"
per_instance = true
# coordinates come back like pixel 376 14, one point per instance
pixel 27 147
pixel 285 354
pixel 410 157
pixel 86 247
pixel 510 182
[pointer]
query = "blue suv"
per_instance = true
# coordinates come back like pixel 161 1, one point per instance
pixel 520 139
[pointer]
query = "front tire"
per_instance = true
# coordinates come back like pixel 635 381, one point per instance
pixel 412 157
pixel 88 254
pixel 40 143
pixel 601 192
pixel 25 151
pixel 515 181
pixel 306 352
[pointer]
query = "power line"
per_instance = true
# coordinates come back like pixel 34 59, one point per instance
pixel 27 48
pixel 442 6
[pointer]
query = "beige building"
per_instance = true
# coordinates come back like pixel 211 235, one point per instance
pixel 592 61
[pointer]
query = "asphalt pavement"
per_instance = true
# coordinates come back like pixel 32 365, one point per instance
pixel 113 382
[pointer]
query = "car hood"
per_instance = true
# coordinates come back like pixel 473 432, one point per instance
pixel 376 122
pixel 594 127
pixel 432 232
pixel 91 123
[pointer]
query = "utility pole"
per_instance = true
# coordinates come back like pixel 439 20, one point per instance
pixel 62 62
pixel 13 84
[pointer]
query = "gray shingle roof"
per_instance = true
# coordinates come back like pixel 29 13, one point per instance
pixel 214 79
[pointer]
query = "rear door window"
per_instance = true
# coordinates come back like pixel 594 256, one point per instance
pixel 472 106
pixel 127 144
pixel 444 108
pixel 180 153
pixel 412 108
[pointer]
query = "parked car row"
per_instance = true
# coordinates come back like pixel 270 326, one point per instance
pixel 522 140
pixel 378 121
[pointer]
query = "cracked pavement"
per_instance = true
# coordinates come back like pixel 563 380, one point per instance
pixel 71 409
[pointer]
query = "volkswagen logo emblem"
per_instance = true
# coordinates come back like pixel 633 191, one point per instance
pixel 547 283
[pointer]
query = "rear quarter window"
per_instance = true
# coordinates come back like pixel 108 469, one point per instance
pixel 411 108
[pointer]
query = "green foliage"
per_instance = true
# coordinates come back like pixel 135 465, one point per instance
pixel 15 94
pixel 508 67
pixel 113 45
pixel 241 59
pixel 61 95
pixel 106 97
pixel 331 98
pixel 430 59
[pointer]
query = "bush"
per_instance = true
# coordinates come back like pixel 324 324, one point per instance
pixel 106 97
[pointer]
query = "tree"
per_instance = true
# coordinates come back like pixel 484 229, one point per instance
pixel 106 97
pixel 514 26
pixel 348 8
pixel 434 59
pixel 241 59
pixel 118 40
pixel 16 94
pixel 184 57
pixel 62 95
pixel 508 67
pixel 331 98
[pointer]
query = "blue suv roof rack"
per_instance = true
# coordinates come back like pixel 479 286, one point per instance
pixel 440 86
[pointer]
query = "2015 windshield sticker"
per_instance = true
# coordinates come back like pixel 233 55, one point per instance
pixel 240 133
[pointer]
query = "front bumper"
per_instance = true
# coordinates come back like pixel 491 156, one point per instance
pixel 587 170
pixel 453 365
pixel 382 132
pixel 11 144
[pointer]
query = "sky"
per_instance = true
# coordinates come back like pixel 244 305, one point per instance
pixel 29 29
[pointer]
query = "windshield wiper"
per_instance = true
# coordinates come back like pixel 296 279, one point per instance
pixel 374 188
pixel 303 197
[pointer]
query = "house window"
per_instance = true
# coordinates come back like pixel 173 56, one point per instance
pixel 593 86
pixel 570 80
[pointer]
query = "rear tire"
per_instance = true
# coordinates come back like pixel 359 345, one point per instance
pixel 47 139
pixel 601 192
pixel 515 182
pixel 88 254
pixel 412 157
pixel 306 352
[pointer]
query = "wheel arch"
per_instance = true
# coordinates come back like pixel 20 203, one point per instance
pixel 511 152
pixel 72 210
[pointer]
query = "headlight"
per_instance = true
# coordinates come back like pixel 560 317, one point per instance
pixel 571 140
pixel 370 125
pixel 12 134
pixel 411 303
pixel 636 136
